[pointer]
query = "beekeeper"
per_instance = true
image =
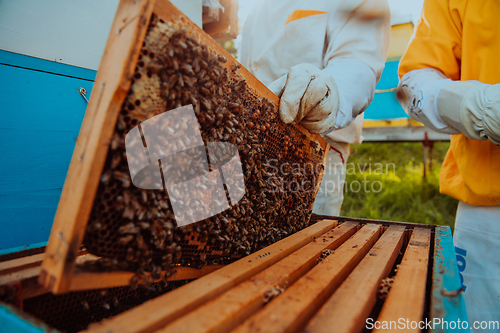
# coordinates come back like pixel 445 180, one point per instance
pixel 323 59
pixel 450 82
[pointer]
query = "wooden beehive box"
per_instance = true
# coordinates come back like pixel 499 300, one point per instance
pixel 157 60
pixel 337 275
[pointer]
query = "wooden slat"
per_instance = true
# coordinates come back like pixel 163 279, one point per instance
pixel 20 263
pixel 353 302
pixel 110 89
pixel 92 280
pixel 26 261
pixel 18 276
pixel 166 308
pixel 406 298
pixel 224 20
pixel 231 308
pixel 29 271
pixel 291 310
pixel 232 33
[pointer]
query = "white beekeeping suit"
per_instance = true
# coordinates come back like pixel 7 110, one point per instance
pixel 341 47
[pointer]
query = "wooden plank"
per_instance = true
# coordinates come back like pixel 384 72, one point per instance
pixel 353 302
pixel 20 263
pixel 447 301
pixel 402 134
pixel 112 83
pixel 406 298
pixel 17 276
pixel 27 269
pixel 316 217
pixel 291 310
pixel 162 310
pixel 233 307
pixel 31 271
pixel 26 262
pixel 92 280
pixel 224 19
pixel 233 31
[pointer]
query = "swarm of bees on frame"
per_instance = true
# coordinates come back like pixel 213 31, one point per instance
pixel 135 229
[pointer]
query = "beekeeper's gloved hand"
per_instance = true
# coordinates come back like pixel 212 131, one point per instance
pixel 453 107
pixel 473 108
pixel 308 96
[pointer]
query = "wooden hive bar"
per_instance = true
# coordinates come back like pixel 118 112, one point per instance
pixel 328 277
pixel 331 282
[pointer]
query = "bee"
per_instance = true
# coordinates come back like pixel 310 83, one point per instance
pixel 116 141
pixel 134 282
pixel 128 229
pixel 85 305
pixel 236 67
pixel 125 240
pixel 188 69
pixel 123 177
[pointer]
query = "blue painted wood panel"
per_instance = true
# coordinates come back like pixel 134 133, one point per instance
pixel 447 302
pixel 19 60
pixel 385 105
pixel 41 117
pixel 13 320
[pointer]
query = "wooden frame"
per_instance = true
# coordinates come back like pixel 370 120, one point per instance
pixel 327 275
pixel 23 273
pixel 111 86
pixel 226 25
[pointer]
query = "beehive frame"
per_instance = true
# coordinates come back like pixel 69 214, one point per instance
pixel 110 90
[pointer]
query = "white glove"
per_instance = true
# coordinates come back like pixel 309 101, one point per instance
pixel 308 96
pixel 468 107
pixel 417 93
pixel 473 108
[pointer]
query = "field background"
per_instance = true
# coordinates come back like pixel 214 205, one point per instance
pixel 405 196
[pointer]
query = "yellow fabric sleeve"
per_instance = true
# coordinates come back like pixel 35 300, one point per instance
pixel 437 42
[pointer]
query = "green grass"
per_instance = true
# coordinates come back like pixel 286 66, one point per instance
pixel 395 189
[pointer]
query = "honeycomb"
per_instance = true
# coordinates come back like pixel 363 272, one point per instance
pixel 136 228
pixel 74 311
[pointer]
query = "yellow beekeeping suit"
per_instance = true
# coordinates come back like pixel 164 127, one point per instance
pixel 461 38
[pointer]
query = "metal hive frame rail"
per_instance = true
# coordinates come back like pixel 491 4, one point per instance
pixel 111 87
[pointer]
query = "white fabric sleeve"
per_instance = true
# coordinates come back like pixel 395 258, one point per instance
pixel 358 34
pixel 473 108
pixel 355 84
pixel 418 93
